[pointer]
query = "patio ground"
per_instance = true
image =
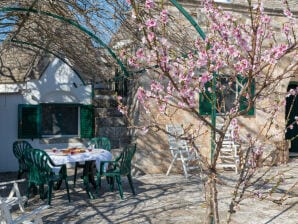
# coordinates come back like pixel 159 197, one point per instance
pixel 165 199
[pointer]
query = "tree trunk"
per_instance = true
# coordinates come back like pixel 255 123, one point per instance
pixel 212 216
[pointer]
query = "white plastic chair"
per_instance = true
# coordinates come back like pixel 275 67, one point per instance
pixel 15 198
pixel 180 149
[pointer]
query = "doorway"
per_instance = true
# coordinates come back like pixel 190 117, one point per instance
pixel 291 112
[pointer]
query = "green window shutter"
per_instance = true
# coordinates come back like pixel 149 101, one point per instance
pixel 86 115
pixel 243 100
pixel 28 121
pixel 205 101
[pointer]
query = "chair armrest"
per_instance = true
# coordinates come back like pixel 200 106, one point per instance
pixel 102 164
pixel 59 169
pixel 11 182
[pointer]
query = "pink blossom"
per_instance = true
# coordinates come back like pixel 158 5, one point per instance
pixel 288 13
pixel 122 109
pixel 140 53
pixel 164 16
pixel 181 104
pixel 132 62
pixel 258 150
pixel 144 130
pixel 122 53
pixel 150 36
pixel 265 19
pixel 279 51
pixel 164 60
pixel 128 2
pixel 234 122
pixel 286 29
pixel 242 65
pixel 141 94
pixel 204 78
pixel 156 86
pixel 150 23
pixel 165 42
pixel 149 4
pixel 291 126
pixel 162 108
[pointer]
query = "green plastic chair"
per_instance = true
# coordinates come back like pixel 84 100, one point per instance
pixel 121 166
pixel 42 172
pixel 101 143
pixel 19 148
pixel 98 143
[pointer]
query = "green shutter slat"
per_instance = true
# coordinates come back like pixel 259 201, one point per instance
pixel 243 100
pixel 205 101
pixel 28 121
pixel 86 122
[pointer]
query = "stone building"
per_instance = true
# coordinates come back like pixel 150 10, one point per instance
pixel 153 154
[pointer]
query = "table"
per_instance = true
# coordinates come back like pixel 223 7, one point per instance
pixel 96 155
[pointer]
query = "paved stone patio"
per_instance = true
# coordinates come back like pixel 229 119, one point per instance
pixel 165 199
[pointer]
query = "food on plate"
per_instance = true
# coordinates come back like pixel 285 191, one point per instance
pixel 73 150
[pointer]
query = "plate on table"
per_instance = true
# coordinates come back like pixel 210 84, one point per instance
pixel 71 151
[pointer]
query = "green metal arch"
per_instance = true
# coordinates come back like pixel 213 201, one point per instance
pixel 73 23
pixel 189 18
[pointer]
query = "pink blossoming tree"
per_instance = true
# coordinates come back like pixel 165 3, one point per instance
pixel 240 62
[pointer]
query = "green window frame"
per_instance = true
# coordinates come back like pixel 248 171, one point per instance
pixel 86 121
pixel 30 122
pixel 205 99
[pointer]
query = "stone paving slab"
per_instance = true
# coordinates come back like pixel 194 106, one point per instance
pixel 165 199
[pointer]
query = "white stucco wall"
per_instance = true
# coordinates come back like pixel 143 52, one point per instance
pixel 54 86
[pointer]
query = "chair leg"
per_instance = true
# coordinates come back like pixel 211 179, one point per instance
pixel 171 165
pixel 67 189
pixel 28 189
pixel 20 173
pixel 184 165
pixel 41 191
pixel 75 175
pixel 50 186
pixel 118 180
pixel 98 183
pixel 130 183
pixel 112 183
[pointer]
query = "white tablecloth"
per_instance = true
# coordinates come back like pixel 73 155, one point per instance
pixel 97 154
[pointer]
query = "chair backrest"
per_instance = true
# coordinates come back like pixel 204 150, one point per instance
pixel 101 143
pixel 124 159
pixel 40 165
pixel 19 148
pixel 174 137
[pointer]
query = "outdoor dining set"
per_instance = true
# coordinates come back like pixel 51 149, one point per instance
pixel 48 167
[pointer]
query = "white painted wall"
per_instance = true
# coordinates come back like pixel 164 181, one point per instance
pixel 54 86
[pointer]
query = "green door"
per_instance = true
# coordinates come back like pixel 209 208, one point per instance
pixel 291 112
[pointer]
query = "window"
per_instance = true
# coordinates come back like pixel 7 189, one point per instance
pixel 59 119
pixel 47 120
pixel 225 97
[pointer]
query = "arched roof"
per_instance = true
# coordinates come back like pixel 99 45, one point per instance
pixel 78 32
